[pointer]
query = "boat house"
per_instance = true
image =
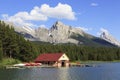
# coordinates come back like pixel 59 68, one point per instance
pixel 53 59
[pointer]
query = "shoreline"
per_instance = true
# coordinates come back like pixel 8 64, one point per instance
pixel 73 63
pixel 90 61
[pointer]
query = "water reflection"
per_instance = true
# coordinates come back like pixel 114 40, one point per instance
pixel 108 71
pixel 63 74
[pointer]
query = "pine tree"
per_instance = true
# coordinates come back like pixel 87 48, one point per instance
pixel 14 45
pixel 1 52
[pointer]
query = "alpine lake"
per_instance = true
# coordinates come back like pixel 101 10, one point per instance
pixel 101 71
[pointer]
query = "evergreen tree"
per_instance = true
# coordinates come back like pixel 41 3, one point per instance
pixel 1 53
pixel 14 45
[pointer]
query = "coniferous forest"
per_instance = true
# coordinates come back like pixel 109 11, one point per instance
pixel 82 53
pixel 15 46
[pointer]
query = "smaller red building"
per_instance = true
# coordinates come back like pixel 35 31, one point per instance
pixel 53 59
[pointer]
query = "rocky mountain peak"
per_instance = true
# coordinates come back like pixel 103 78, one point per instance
pixel 58 23
pixel 59 26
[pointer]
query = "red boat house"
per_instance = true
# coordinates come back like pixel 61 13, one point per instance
pixel 53 59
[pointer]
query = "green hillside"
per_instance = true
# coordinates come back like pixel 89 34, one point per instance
pixel 89 40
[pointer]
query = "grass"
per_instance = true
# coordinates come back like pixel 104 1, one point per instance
pixel 8 61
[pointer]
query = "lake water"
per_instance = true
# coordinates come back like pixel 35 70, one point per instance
pixel 103 71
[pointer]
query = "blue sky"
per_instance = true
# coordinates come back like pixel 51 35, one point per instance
pixel 90 15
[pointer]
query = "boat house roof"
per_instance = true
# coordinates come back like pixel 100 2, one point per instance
pixel 49 57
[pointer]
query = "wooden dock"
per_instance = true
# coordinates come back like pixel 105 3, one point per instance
pixel 82 65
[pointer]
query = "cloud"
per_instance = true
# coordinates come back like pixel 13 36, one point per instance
pixel 42 13
pixel 43 26
pixel 103 30
pixel 19 21
pixel 85 29
pixel 5 16
pixel 94 4
pixel 61 11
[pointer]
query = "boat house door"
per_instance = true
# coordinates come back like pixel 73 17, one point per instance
pixel 63 63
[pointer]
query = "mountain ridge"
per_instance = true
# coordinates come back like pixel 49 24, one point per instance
pixel 61 33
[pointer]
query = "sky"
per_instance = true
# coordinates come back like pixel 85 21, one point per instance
pixel 92 16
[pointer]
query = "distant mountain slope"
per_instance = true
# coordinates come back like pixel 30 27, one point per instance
pixel 108 37
pixel 94 41
pixel 26 31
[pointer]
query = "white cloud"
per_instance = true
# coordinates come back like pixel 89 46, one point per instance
pixel 42 13
pixel 43 26
pixel 18 20
pixel 103 30
pixel 5 16
pixel 94 4
pixel 61 11
pixel 85 29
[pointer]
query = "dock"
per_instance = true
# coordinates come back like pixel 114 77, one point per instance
pixel 82 65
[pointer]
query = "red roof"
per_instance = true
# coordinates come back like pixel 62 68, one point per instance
pixel 48 57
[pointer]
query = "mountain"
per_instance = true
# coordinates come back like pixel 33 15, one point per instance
pixel 25 31
pixel 58 33
pixel 61 33
pixel 108 37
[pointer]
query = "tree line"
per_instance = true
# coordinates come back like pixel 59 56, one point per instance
pixel 81 53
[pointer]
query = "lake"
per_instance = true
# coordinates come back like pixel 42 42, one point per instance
pixel 102 71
